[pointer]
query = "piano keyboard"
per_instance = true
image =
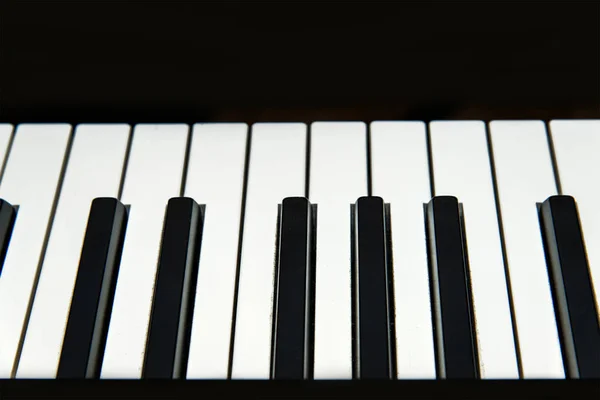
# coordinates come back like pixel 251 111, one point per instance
pixel 337 250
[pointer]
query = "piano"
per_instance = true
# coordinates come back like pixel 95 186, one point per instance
pixel 286 201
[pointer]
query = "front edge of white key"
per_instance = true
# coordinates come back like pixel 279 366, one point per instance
pixel 338 177
pixel 94 170
pixel 215 179
pixel 461 168
pixel 153 175
pixel 577 150
pixel 31 180
pixel 524 177
pixel 400 175
pixel 277 170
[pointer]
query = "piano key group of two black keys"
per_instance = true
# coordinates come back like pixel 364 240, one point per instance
pixel 294 301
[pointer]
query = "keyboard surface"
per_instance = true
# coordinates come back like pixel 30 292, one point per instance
pixel 515 198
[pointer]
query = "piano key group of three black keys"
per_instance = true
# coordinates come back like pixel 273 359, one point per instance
pixel 294 301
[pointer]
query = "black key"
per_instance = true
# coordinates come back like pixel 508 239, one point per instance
pixel 574 304
pixel 173 302
pixel 372 297
pixel 453 321
pixel 7 221
pixel 87 326
pixel 294 296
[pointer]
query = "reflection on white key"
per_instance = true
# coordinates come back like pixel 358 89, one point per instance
pixel 277 170
pixel 400 175
pixel 524 177
pixel 30 181
pixel 215 178
pixel 338 177
pixel 153 175
pixel 461 168
pixel 5 134
pixel 577 150
pixel 94 170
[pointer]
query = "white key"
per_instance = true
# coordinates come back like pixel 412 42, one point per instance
pixel 215 178
pixel 400 175
pixel 277 170
pixel 524 177
pixel 338 177
pixel 5 134
pixel 153 175
pixel 30 181
pixel 461 168
pixel 94 170
pixel 577 150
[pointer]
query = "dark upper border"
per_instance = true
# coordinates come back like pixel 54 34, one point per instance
pixel 157 61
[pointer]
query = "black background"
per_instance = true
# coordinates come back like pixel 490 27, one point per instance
pixel 249 61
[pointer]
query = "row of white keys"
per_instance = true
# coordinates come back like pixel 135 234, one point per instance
pixel 30 180
pixel 276 170
pixel 461 168
pixel 338 176
pixel 577 151
pixel 400 175
pixel 153 175
pixel 525 177
pixel 94 170
pixel 215 178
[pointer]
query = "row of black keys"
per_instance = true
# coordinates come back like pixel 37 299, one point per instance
pixel 293 325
